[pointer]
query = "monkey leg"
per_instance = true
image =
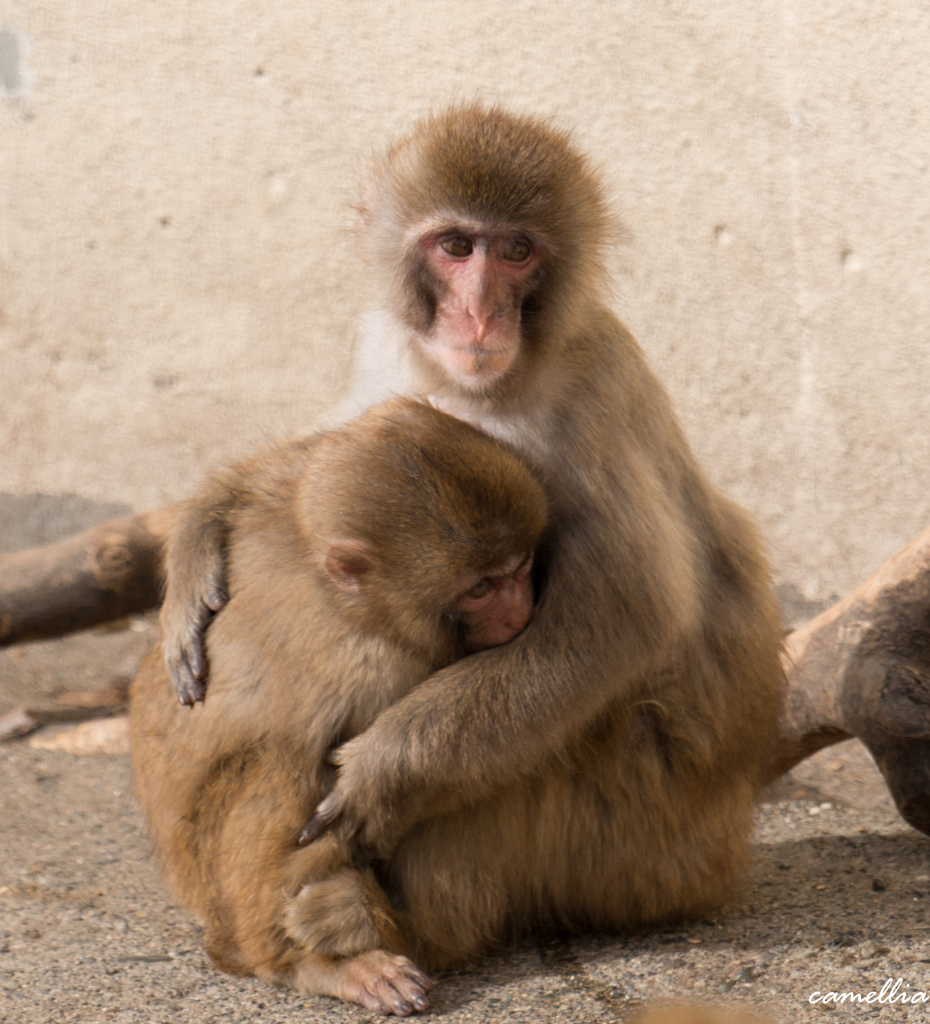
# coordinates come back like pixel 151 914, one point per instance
pixel 349 945
pixel 622 844
pixel 104 573
pixel 301 917
pixel 341 914
pixel 862 668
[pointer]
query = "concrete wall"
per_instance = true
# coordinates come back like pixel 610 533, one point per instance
pixel 177 276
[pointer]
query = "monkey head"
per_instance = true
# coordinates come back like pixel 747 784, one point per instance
pixel 426 527
pixel 486 230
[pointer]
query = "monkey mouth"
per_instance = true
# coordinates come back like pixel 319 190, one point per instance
pixel 478 351
pixel 476 364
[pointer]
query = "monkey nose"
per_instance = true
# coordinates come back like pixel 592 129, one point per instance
pixel 480 326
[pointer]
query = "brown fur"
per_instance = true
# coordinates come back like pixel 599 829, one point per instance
pixel 299 665
pixel 600 770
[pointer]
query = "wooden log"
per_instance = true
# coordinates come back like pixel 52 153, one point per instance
pixel 862 668
pixel 113 569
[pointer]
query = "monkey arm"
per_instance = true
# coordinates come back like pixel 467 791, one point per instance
pixel 195 557
pixel 106 572
pixel 497 716
pixel 195 569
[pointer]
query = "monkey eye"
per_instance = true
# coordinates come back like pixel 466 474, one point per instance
pixel 517 250
pixel 459 245
pixel 481 589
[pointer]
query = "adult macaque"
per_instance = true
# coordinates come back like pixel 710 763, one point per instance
pixel 613 749
pixel 360 562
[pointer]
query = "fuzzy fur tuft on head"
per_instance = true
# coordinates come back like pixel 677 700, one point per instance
pixel 477 164
pixel 430 497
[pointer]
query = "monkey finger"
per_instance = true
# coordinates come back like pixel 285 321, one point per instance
pixel 187 685
pixel 403 989
pixel 326 813
pixel 195 656
pixel 190 692
pixel 385 983
pixel 215 598
pixel 312 831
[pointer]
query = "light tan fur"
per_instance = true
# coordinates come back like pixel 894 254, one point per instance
pixel 599 770
pixel 299 665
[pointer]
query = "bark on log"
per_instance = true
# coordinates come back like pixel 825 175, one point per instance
pixel 104 573
pixel 862 668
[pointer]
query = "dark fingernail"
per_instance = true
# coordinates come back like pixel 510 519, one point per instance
pixel 190 693
pixel 309 833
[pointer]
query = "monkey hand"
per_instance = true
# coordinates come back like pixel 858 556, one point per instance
pixel 357 805
pixel 189 606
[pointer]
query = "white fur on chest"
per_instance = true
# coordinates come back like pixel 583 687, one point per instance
pixel 383 368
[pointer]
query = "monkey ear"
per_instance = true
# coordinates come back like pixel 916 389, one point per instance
pixel 348 562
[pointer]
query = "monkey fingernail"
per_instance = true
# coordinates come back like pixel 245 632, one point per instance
pixel 189 692
pixel 311 831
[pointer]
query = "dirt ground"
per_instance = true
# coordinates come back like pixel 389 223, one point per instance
pixel 838 901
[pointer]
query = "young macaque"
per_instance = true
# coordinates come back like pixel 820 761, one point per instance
pixel 360 562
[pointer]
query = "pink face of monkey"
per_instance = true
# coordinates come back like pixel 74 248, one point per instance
pixel 479 281
pixel 497 607
pixel 492 609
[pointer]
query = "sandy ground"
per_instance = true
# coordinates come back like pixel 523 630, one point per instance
pixel 838 901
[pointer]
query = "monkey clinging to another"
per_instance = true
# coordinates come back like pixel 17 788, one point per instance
pixel 598 771
pixel 360 562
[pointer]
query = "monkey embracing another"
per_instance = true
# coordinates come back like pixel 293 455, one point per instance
pixel 599 770
pixel 361 562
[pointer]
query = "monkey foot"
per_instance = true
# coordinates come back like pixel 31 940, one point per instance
pixel 383 982
pixel 862 669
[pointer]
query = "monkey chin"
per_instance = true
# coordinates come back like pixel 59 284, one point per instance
pixel 473 368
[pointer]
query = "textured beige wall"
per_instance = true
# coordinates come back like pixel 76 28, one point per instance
pixel 177 278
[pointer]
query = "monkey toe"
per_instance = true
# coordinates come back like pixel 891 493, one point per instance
pixel 386 983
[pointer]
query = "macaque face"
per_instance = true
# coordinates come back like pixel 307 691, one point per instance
pixel 496 608
pixel 479 280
